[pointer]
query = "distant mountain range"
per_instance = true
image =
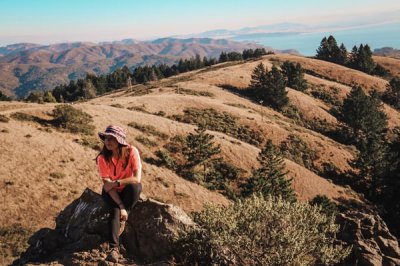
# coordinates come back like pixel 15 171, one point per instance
pixel 26 66
pixel 388 51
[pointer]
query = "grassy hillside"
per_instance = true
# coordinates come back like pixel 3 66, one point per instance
pixel 43 169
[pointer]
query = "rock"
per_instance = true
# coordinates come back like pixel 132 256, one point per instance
pixel 373 244
pixel 81 231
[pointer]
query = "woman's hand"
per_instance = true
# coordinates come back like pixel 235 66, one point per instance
pixel 108 185
pixel 124 215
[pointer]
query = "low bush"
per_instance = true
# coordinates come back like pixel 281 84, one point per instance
pixel 297 150
pixel 146 141
pixel 222 122
pixel 193 92
pixel 14 240
pixel 72 120
pixel 261 231
pixel 4 118
pixel 148 129
pixel 328 207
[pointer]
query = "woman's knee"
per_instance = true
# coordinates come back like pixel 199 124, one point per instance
pixel 135 188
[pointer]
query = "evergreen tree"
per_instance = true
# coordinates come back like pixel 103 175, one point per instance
pixel 269 86
pixel 4 97
pixel 392 93
pixel 369 124
pixel 274 93
pixel 270 178
pixel 48 97
pixel 88 89
pixel 343 54
pixel 223 57
pixel 295 76
pixel 258 77
pixel 323 50
pixel 362 113
pixel 199 149
pixel 361 59
pixel 330 51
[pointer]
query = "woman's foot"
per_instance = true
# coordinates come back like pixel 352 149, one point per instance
pixel 113 255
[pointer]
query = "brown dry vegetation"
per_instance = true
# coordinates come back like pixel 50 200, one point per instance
pixel 41 174
pixel 389 63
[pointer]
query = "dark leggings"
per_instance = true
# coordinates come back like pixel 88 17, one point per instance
pixel 129 196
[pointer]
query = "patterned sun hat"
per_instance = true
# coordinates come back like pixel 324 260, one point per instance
pixel 115 131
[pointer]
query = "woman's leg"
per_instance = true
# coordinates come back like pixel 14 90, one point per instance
pixel 130 195
pixel 114 220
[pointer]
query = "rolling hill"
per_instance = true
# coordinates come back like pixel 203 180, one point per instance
pixel 26 67
pixel 44 169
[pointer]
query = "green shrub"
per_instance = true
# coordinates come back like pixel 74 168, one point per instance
pixel 193 92
pixel 23 116
pixel 4 118
pixel 292 112
pixel 297 150
pixel 146 141
pixel 57 175
pixel 117 105
pixel 148 129
pixel 239 105
pixel 160 113
pixel 328 207
pixel 14 240
pixel 329 97
pixel 91 142
pixel 261 231
pixel 72 120
pixel 222 122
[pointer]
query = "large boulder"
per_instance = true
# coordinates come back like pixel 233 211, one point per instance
pixel 81 230
pixel 372 242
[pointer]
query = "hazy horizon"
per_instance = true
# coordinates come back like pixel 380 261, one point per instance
pixel 49 22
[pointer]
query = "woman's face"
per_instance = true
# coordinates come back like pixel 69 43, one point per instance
pixel 111 143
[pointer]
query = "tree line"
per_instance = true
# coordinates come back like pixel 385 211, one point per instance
pixel 92 85
pixel 360 57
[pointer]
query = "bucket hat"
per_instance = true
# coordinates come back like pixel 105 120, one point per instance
pixel 115 131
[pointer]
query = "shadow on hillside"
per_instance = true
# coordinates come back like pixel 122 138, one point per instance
pixel 242 92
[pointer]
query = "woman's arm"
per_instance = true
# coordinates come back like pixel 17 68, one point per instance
pixel 135 179
pixel 109 188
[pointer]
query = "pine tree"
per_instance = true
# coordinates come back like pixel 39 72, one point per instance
pixel 89 91
pixel 342 57
pixel 369 124
pixel 270 178
pixel 362 113
pixel 199 149
pixel 295 76
pixel 323 50
pixel 48 97
pixel 361 59
pixel 274 94
pixel 223 57
pixel 258 77
pixel 392 93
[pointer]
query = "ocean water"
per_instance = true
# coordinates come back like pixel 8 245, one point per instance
pixel 307 43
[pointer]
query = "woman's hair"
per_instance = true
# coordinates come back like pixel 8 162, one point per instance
pixel 124 152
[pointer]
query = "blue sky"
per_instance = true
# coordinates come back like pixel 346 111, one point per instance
pixel 51 21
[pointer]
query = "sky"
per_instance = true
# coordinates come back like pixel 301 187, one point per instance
pixel 54 21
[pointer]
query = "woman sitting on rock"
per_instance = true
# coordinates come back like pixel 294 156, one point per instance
pixel 120 169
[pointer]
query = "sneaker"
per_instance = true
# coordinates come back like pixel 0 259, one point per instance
pixel 121 228
pixel 113 255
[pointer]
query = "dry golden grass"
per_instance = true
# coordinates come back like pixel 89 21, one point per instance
pixel 389 63
pixel 338 73
pixel 49 169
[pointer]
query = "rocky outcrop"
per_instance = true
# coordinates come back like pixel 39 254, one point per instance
pixel 81 232
pixel 372 242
